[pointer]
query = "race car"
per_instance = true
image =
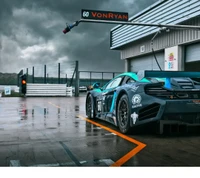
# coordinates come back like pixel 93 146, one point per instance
pixel 162 97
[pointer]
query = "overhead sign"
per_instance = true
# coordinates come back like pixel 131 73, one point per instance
pixel 104 15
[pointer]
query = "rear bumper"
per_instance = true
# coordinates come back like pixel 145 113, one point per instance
pixel 185 112
pixel 187 106
pixel 175 126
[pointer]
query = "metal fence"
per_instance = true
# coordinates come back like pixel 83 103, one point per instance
pixel 65 73
pixel 52 73
pixel 89 77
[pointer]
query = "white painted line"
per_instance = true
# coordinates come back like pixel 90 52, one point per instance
pixel 97 128
pixel 46 165
pixel 58 164
pixel 110 134
pixel 108 162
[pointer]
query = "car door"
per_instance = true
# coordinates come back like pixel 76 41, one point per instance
pixel 109 93
pixel 100 100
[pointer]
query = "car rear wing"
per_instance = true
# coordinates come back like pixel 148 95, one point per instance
pixel 166 74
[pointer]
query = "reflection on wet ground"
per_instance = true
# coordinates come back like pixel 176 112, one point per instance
pixel 48 132
pixel 48 114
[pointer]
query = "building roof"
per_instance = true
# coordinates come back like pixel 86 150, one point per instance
pixel 162 12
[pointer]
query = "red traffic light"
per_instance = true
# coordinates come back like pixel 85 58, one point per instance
pixel 23 82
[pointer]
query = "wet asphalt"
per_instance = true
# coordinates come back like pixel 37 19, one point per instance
pixel 54 131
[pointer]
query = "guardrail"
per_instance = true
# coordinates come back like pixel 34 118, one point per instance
pixel 48 90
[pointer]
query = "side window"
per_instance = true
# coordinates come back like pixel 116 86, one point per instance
pixel 114 83
pixel 130 80
pixel 109 85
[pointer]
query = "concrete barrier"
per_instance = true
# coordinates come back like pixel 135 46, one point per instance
pixel 34 89
pixel 69 91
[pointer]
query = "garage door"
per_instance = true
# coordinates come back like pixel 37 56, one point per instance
pixel 193 53
pixel 147 62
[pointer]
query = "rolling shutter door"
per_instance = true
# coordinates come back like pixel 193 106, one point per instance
pixel 147 62
pixel 193 53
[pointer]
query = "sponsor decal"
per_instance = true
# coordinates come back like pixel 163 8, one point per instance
pixel 134 88
pixel 196 102
pixel 134 116
pixel 92 113
pixel 104 15
pixel 7 90
pixel 137 106
pixel 136 100
pixel 99 105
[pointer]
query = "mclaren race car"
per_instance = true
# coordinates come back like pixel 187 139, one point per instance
pixel 130 99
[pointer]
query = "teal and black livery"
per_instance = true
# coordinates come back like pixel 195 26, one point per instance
pixel 131 99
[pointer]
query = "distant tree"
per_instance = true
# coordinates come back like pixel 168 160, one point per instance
pixel 8 79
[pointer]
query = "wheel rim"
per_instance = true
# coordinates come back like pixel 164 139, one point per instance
pixel 123 113
pixel 89 105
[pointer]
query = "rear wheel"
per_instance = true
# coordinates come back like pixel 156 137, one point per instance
pixel 123 114
pixel 90 107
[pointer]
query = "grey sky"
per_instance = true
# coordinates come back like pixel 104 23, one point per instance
pixel 31 33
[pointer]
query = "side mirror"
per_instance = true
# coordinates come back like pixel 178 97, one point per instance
pixel 96 85
pixel 93 86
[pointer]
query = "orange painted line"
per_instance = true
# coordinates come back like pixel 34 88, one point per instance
pixel 54 105
pixel 130 154
pixel 126 157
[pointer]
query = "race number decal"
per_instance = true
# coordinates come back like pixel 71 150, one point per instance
pixel 99 105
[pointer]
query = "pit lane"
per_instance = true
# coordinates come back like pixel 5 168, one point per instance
pixel 53 131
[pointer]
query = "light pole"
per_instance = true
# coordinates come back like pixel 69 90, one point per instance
pixel 166 26
pixel 69 27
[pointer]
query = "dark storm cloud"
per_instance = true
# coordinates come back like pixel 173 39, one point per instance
pixel 31 33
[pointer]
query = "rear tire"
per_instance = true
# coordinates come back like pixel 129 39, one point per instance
pixel 90 111
pixel 123 114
